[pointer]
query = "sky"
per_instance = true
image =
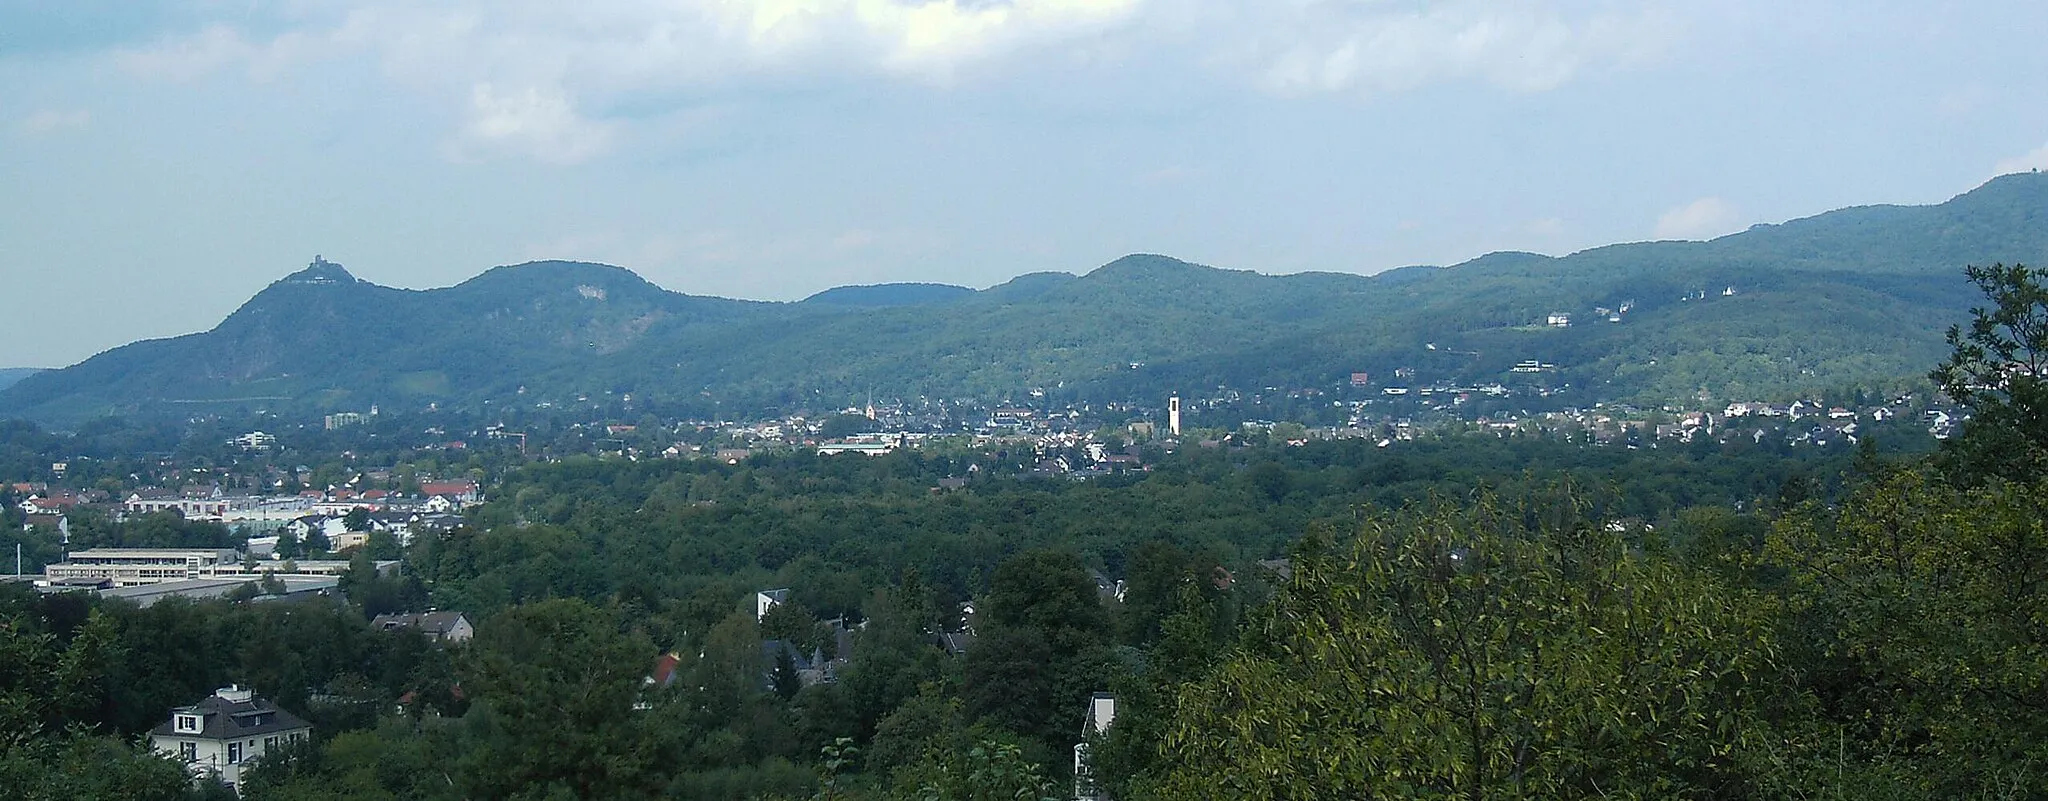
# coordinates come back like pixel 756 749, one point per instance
pixel 162 162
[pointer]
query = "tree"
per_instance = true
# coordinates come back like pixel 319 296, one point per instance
pixel 1489 652
pixel 1918 609
pixel 845 425
pixel 357 519
pixel 77 766
pixel 990 770
pixel 1044 648
pixel 559 682
pixel 1998 369
pixel 288 545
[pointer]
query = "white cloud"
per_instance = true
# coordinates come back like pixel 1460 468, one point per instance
pixel 927 38
pixel 1170 175
pixel 1963 101
pixel 2037 160
pixel 221 47
pixel 1704 218
pixel 49 122
pixel 1391 45
pixel 553 80
pixel 538 122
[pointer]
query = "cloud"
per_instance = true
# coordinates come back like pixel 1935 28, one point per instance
pixel 49 122
pixel 560 81
pixel 929 38
pixel 2037 160
pixel 535 121
pixel 1170 175
pixel 220 47
pixel 1963 101
pixel 1704 218
pixel 1392 45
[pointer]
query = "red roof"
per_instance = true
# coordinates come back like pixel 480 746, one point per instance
pixel 448 488
pixel 664 669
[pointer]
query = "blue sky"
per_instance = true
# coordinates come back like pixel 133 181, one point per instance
pixel 161 162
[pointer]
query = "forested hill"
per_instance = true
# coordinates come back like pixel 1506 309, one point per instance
pixel 1854 297
pixel 9 376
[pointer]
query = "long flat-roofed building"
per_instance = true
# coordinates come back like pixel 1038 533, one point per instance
pixel 126 567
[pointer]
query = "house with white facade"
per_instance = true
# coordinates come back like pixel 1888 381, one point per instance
pixel 226 731
pixel 1101 713
pixel 768 599
pixel 438 626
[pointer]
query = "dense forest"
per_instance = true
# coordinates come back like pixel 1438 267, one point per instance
pixel 1471 616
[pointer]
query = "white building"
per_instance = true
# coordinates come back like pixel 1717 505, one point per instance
pixel 220 735
pixel 127 567
pixel 131 567
pixel 212 507
pixel 1101 713
pixel 766 600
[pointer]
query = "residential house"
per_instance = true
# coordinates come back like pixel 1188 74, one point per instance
pixel 52 504
pixel 768 599
pixel 438 626
pixel 57 522
pixel 199 503
pixel 811 669
pixel 459 493
pixel 666 670
pixel 223 733
pixel 1101 713
pixel 1747 409
pixel 956 643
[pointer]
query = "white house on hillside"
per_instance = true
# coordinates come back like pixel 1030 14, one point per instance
pixel 224 732
pixel 766 600
pixel 1101 713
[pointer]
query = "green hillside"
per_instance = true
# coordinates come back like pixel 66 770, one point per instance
pixel 1853 297
pixel 9 376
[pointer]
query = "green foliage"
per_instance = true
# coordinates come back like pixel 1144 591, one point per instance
pixel 1481 652
pixel 1919 606
pixel 988 771
pixel 1716 621
pixel 559 682
pixel 1999 370
pixel 77 766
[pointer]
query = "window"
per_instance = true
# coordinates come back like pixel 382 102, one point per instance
pixel 269 743
pixel 188 751
pixel 234 753
pixel 187 723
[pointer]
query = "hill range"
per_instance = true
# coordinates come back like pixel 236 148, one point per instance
pixel 1857 297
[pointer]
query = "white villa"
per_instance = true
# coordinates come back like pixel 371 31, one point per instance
pixel 224 732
